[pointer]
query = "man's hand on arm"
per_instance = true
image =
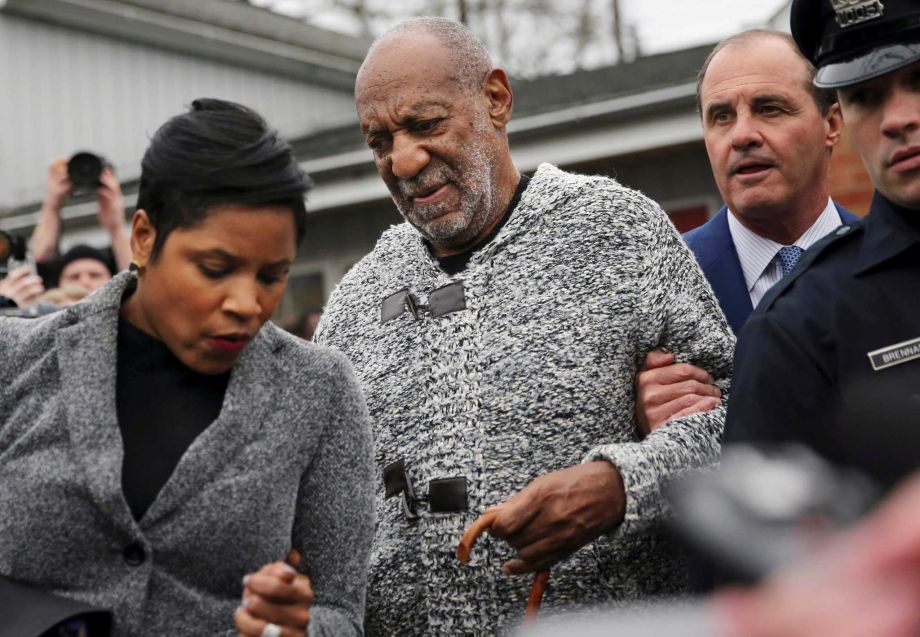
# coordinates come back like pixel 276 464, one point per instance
pixel 558 513
pixel 665 390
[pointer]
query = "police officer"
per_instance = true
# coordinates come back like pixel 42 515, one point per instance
pixel 831 357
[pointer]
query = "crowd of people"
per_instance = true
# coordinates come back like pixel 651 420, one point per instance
pixel 545 348
pixel 64 279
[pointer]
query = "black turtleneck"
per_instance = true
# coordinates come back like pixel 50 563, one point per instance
pixel 162 407
pixel 456 263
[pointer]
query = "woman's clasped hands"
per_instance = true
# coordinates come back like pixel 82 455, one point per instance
pixel 276 601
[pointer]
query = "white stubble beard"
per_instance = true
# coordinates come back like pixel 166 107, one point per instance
pixel 473 178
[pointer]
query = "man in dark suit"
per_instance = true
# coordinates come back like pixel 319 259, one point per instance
pixel 831 358
pixel 769 134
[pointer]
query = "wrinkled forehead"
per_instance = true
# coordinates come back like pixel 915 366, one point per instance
pixel 764 65
pixel 403 70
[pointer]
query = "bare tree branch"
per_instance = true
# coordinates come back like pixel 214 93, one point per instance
pixel 617 30
pixel 527 37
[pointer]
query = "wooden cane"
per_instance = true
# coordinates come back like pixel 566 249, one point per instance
pixel 540 579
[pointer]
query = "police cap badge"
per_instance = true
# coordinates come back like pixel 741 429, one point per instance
pixel 851 41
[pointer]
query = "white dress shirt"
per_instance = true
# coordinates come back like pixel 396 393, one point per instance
pixel 759 263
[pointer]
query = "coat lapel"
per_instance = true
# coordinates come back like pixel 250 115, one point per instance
pixel 251 395
pixel 86 361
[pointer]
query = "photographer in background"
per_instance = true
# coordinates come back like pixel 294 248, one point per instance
pixel 19 285
pixel 305 324
pixel 111 213
pixel 82 265
pixel 85 267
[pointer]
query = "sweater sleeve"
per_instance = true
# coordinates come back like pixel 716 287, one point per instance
pixel 678 305
pixel 334 522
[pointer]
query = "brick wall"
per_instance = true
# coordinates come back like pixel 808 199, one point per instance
pixel 849 183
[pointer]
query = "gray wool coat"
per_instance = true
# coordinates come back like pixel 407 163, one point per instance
pixel 286 463
pixel 536 374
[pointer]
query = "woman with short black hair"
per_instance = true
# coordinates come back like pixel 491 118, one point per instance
pixel 162 440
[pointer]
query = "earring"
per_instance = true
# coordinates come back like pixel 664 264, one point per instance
pixel 137 268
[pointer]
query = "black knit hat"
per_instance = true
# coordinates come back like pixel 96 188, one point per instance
pixel 851 41
pixel 82 251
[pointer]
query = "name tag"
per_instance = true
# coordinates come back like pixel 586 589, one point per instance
pixel 895 354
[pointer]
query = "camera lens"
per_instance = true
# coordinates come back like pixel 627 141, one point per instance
pixel 84 170
pixel 12 249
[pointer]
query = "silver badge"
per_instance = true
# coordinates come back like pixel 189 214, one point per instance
pixel 895 354
pixel 850 12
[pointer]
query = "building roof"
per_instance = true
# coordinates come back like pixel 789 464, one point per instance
pixel 554 106
pixel 644 74
pixel 222 30
pixel 125 66
pixel 554 101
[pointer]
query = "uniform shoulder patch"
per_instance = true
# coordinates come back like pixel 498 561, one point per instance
pixel 818 251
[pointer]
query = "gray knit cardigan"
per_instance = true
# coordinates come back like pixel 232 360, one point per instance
pixel 286 463
pixel 537 374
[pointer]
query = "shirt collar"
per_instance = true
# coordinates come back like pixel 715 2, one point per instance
pixel 756 252
pixel 456 263
pixel 890 229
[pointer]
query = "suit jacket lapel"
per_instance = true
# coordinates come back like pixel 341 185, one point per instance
pixel 845 215
pixel 718 258
pixel 251 394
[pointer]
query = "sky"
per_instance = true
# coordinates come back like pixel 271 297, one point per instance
pixel 533 43
pixel 663 25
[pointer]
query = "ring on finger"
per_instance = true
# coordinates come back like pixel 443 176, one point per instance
pixel 271 630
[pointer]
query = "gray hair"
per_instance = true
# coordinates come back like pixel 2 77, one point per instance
pixel 823 98
pixel 471 59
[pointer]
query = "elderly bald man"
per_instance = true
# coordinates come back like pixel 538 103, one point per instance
pixel 497 334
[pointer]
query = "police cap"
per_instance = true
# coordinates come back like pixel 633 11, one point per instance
pixel 851 41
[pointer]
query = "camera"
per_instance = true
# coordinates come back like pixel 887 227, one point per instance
pixel 12 252
pixel 84 170
pixel 766 506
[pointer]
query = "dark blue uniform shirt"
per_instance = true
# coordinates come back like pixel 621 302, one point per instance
pixel 831 356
